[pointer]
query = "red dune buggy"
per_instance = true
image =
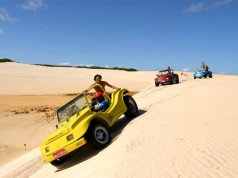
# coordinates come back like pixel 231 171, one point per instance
pixel 166 77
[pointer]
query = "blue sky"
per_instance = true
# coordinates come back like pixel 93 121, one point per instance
pixel 144 34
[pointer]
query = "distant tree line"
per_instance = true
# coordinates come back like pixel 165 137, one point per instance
pixel 91 67
pixel 6 60
pixel 88 67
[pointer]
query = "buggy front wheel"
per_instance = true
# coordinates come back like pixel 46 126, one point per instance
pixel 58 162
pixel 99 136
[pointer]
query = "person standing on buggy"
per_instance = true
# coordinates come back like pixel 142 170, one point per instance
pixel 203 66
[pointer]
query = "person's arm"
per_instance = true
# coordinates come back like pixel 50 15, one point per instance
pixel 107 84
pixel 89 88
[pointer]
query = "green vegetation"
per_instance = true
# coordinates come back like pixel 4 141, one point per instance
pixel 91 67
pixel 87 67
pixel 6 60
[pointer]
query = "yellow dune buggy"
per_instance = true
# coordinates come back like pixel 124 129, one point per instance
pixel 79 123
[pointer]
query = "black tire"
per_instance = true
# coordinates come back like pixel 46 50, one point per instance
pixel 205 76
pixel 194 77
pixel 176 78
pixel 171 82
pixel 99 136
pixel 210 76
pixel 58 162
pixel 156 84
pixel 132 109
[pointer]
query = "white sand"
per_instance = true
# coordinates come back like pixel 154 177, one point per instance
pixel 184 130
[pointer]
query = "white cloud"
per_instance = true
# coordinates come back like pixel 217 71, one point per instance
pixel 70 64
pixel 217 4
pixel 4 16
pixel 34 5
pixel 87 65
pixel 65 64
pixel 203 6
pixel 186 69
pixel 1 31
pixel 195 7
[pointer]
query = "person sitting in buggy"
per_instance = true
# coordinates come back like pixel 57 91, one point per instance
pixel 99 103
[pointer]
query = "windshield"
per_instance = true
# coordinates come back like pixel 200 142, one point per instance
pixel 71 108
pixel 163 72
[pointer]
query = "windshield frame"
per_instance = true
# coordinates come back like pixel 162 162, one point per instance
pixel 165 72
pixel 72 107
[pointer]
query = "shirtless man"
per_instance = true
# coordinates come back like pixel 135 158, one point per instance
pixel 98 81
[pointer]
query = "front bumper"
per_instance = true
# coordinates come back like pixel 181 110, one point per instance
pixel 162 81
pixel 198 76
pixel 75 145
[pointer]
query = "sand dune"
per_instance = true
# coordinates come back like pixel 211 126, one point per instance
pixel 183 130
pixel 30 95
pixel 25 79
pixel 186 130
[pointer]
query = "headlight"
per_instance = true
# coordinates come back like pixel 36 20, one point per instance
pixel 70 137
pixel 47 149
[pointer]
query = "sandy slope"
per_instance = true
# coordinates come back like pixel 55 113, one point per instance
pixel 184 130
pixel 30 95
pixel 24 120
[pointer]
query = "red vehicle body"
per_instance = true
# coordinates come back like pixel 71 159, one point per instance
pixel 166 77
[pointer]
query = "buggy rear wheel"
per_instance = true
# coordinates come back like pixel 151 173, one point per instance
pixel 132 109
pixel 176 78
pixel 172 81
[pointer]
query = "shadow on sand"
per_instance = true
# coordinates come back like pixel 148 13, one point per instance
pixel 88 152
